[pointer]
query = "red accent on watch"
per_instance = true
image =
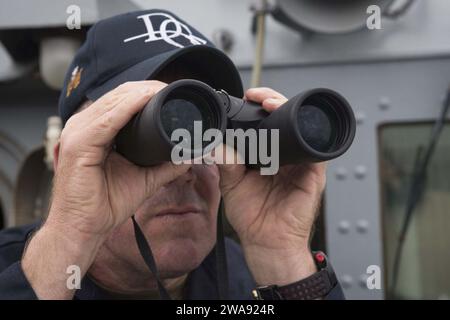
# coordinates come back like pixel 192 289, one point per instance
pixel 319 257
pixel 316 286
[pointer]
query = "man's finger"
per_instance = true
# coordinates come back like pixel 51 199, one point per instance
pixel 132 104
pixel 260 94
pixel 272 104
pixel 114 98
pixel 103 130
pixel 231 173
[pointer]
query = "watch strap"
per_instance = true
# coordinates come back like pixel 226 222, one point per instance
pixel 316 286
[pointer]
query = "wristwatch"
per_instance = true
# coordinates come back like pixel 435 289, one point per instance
pixel 313 287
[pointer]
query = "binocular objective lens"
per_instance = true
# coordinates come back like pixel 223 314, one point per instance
pixel 318 127
pixel 182 113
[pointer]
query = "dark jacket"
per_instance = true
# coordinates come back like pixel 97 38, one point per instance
pixel 201 283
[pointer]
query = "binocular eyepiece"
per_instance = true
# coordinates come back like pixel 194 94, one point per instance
pixel 316 125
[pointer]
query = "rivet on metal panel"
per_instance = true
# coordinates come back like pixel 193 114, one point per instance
pixel 341 173
pixel 360 117
pixel 362 226
pixel 385 103
pixel 344 226
pixel 346 281
pixel 360 172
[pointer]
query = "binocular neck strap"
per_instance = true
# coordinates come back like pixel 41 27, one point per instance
pixel 146 253
pixel 221 259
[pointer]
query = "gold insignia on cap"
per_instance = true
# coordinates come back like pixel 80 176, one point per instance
pixel 74 80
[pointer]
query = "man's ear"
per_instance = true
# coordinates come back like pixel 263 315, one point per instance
pixel 55 156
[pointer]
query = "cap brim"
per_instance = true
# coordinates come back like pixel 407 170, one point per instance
pixel 220 68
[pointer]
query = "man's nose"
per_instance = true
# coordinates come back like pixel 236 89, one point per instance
pixel 187 177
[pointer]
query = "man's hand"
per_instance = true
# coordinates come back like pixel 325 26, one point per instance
pixel 273 215
pixel 95 189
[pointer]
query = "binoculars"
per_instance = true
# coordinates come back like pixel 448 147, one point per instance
pixel 314 126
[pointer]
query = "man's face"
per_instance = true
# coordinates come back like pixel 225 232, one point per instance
pixel 179 222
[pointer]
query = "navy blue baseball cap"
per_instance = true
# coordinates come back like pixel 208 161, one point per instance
pixel 137 46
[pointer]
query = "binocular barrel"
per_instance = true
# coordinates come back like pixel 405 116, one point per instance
pixel 146 139
pixel 314 126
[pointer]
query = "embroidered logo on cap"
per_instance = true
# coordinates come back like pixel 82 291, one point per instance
pixel 74 80
pixel 164 33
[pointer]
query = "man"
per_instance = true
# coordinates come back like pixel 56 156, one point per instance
pixel 96 190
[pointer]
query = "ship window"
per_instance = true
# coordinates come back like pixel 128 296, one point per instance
pixel 425 262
